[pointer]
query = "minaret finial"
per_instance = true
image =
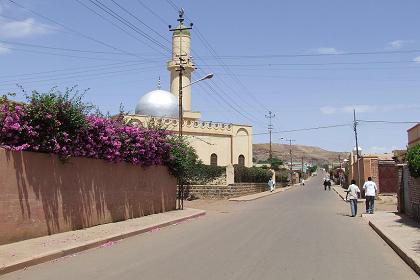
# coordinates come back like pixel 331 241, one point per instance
pixel 158 85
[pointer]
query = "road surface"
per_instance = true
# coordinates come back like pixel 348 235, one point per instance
pixel 303 233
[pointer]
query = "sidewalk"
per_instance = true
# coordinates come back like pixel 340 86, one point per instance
pixel 341 192
pixel 260 194
pixel 30 252
pixel 401 233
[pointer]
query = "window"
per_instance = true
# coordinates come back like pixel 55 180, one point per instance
pixel 213 159
pixel 241 160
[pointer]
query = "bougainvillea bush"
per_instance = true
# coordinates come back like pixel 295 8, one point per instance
pixel 60 123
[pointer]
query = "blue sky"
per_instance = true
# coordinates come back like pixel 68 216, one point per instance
pixel 300 59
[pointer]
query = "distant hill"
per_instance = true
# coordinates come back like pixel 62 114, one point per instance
pixel 311 154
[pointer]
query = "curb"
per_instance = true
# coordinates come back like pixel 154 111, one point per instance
pixel 93 244
pixel 243 199
pixel 359 200
pixel 409 260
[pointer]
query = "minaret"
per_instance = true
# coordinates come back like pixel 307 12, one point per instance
pixel 181 39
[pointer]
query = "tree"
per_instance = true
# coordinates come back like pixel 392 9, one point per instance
pixel 413 159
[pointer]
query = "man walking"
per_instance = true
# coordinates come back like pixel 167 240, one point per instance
pixel 370 192
pixel 352 194
pixel 271 184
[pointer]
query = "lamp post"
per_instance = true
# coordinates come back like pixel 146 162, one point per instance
pixel 181 120
pixel 291 157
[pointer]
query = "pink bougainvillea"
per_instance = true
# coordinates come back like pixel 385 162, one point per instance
pixel 36 127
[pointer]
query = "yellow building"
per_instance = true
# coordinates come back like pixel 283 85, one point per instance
pixel 216 143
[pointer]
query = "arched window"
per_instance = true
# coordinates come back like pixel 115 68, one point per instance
pixel 213 159
pixel 241 160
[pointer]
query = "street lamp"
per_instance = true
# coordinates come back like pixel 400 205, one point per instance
pixel 181 120
pixel 208 76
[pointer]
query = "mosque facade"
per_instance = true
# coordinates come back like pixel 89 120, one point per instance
pixel 216 143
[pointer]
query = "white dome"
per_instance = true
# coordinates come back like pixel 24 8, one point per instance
pixel 158 103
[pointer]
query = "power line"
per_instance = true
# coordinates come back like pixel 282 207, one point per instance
pixel 139 20
pixel 130 25
pixel 84 75
pixel 389 122
pixel 226 67
pixel 152 12
pixel 212 51
pixel 313 64
pixel 66 73
pixel 305 129
pixel 93 67
pixel 318 54
pixel 68 28
pixel 63 55
pixel 62 49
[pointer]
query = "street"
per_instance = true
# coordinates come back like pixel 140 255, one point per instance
pixel 303 233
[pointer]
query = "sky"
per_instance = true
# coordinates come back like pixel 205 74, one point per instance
pixel 311 63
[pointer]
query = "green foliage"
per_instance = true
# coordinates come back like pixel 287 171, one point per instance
pixel 203 174
pixel 183 158
pixel 276 163
pixel 312 169
pixel 251 174
pixel 185 164
pixel 282 175
pixel 413 159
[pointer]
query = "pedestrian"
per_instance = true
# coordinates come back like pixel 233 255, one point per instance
pixel 352 194
pixel 271 184
pixel 303 182
pixel 370 189
pixel 327 183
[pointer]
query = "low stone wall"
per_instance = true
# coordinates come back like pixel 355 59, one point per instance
pixel 224 191
pixel 41 195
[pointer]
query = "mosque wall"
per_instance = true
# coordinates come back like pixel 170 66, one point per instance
pixel 227 141
pixel 206 145
pixel 242 144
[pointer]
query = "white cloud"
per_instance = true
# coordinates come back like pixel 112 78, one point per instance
pixel 397 44
pixel 363 108
pixel 328 110
pixel 359 108
pixel 23 28
pixel 4 49
pixel 417 59
pixel 327 51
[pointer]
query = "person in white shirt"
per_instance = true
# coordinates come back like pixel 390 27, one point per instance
pixel 370 191
pixel 352 194
pixel 271 185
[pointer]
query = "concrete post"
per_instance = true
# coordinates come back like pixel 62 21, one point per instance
pixel 230 175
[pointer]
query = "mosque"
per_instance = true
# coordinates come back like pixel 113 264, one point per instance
pixel 216 143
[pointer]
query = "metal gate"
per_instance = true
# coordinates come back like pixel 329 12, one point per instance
pixel 388 177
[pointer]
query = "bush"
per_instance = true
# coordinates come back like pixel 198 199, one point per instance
pixel 61 124
pixel 413 159
pixel 185 164
pixel 203 174
pixel 251 174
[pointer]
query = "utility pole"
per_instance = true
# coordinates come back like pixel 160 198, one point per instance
pixel 355 123
pixel 180 70
pixel 303 176
pixel 270 128
pixel 341 170
pixel 291 158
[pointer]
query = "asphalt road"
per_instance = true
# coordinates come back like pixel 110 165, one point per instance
pixel 304 233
